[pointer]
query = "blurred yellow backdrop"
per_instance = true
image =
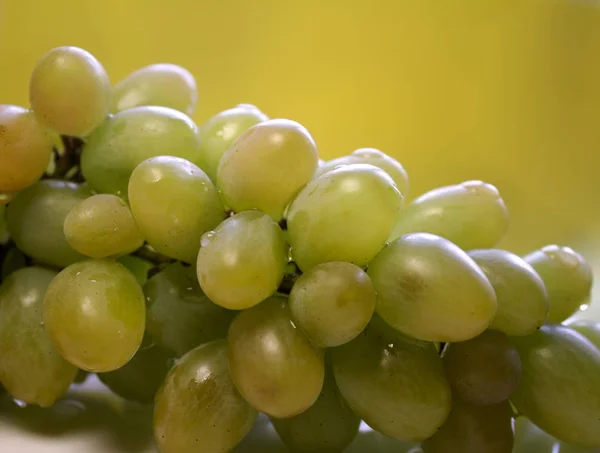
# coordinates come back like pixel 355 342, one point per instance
pixel 502 90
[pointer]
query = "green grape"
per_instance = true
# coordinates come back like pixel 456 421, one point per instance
pixel 165 85
pixel 69 91
pixel 374 157
pixel 36 218
pixel 474 429
pixel 531 439
pixel 95 314
pixel 329 426
pixel 560 386
pixel 345 215
pixel 174 203
pixel 30 367
pixel 266 167
pixel 521 294
pixel 242 262
pixel 3 226
pixel 128 138
pixel 332 303
pixel 140 378
pixel 139 267
pixel 568 448
pixel 394 383
pixel 13 261
pixel 589 329
pixel 471 214
pixel 220 131
pixel 102 226
pixel 430 289
pixel 25 148
pixel 198 409
pixel 484 370
pixel 272 363
pixel 179 315
pixel 567 276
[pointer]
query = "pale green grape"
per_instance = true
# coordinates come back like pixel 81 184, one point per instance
pixel 568 448
pixel 13 261
pixel 430 289
pixel 272 363
pixel 266 167
pixel 242 261
pixel 474 429
pixel 394 383
pixel 589 329
pixel 560 386
pixel 165 85
pixel 174 203
pixel 531 439
pixel 102 226
pixel 69 91
pixel 220 131
pixel 332 303
pixel 329 426
pixel 128 138
pixel 471 214
pixel 374 157
pixel 521 294
pixel 567 276
pixel 179 315
pixel 25 148
pixel 36 218
pixel 484 370
pixel 344 215
pixel 139 267
pixel 95 314
pixel 30 367
pixel 198 409
pixel 140 378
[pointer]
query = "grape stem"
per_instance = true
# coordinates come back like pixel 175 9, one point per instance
pixel 66 163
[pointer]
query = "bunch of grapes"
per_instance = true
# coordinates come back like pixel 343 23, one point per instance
pixel 222 271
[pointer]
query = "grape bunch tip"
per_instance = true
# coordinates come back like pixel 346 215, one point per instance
pixel 224 270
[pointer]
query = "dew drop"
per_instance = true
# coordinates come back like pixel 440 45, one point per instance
pixel 564 255
pixel 206 238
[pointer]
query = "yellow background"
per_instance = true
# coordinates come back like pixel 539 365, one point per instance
pixel 502 90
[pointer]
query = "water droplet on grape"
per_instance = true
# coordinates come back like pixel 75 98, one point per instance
pixel 206 238
pixel 565 255
pixel 481 187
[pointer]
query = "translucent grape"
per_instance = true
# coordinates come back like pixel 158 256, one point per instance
pixel 484 370
pixel 139 267
pixel 430 289
pixel 242 262
pixel 220 131
pixel 521 294
pixel 272 363
pixel 69 91
pixel 471 214
pixel 567 276
pixel 36 218
pixel 95 314
pixel 332 303
pixel 25 148
pixel 560 389
pixel 531 439
pixel 474 429
pixel 374 157
pixel 266 167
pixel 174 203
pixel 344 215
pixel 198 407
pixel 30 367
pixel 589 329
pixel 180 317
pixel 165 85
pixel 140 378
pixel 329 426
pixel 102 226
pixel 128 138
pixel 395 384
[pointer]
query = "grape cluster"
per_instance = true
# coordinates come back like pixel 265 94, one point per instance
pixel 222 271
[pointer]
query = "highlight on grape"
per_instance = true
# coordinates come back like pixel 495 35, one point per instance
pixel 223 270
